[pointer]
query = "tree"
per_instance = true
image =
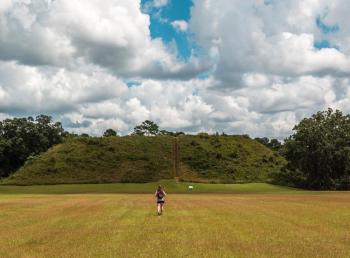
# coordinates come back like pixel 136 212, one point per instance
pixel 264 141
pixel 165 132
pixel 147 128
pixel 273 144
pixel 319 149
pixel 50 132
pixel 175 134
pixel 109 132
pixel 24 137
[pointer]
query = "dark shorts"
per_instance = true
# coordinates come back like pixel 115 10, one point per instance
pixel 160 201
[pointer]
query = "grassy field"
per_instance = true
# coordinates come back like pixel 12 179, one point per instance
pixel 171 186
pixel 193 225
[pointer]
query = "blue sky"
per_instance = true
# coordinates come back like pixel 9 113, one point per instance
pixel 161 27
pixel 326 30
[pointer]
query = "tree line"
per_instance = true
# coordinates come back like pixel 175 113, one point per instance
pixel 146 128
pixel 21 138
pixel 318 151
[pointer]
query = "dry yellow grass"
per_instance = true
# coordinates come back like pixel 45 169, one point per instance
pixel 121 225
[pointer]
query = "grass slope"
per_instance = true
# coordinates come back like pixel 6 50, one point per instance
pixel 100 160
pixel 219 159
pixel 205 225
pixel 227 159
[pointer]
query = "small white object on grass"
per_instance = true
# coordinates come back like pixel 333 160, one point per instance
pixel 190 187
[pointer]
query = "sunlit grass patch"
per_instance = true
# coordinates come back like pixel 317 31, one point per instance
pixel 205 225
pixel 171 186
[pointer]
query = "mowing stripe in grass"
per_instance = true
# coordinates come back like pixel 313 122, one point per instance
pixel 171 186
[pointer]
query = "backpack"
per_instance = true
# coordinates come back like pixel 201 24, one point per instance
pixel 160 194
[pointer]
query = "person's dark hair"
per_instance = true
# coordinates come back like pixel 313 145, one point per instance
pixel 159 187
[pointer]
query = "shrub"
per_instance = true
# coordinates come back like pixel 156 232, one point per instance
pixel 203 135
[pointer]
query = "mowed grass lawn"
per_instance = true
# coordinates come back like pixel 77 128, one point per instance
pixel 170 185
pixel 288 224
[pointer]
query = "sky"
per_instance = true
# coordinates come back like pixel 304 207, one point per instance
pixel 252 67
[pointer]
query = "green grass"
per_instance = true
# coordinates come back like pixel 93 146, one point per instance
pixel 203 225
pixel 227 159
pixel 170 186
pixel 100 160
pixel 135 159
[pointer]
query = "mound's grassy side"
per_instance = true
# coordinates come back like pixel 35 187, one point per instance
pixel 229 159
pixel 219 159
pixel 100 160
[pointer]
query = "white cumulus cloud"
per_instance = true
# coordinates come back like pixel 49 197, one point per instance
pixel 112 34
pixel 72 59
pixel 160 3
pixel 180 25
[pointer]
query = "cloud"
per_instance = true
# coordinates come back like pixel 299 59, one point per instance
pixel 30 89
pixel 5 5
pixel 111 34
pixel 4 116
pixel 154 6
pixel 180 25
pixel 160 3
pixel 137 112
pixel 91 101
pixel 171 104
pixel 261 69
pixel 277 38
pixel 74 122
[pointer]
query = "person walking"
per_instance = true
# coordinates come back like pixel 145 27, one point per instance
pixel 160 196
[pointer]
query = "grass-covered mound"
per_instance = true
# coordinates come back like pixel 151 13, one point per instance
pixel 229 159
pixel 219 159
pixel 100 160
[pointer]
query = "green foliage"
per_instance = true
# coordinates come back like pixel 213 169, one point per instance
pixel 264 140
pixel 175 134
pixel 22 137
pixel 320 150
pixel 289 177
pixel 203 135
pixel 273 144
pixel 109 132
pixel 147 128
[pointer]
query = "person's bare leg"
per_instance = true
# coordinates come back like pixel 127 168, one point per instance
pixel 159 208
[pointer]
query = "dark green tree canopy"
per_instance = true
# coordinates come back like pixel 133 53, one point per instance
pixel 109 132
pixel 23 137
pixel 175 134
pixel 147 128
pixel 264 140
pixel 320 149
pixel 273 144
